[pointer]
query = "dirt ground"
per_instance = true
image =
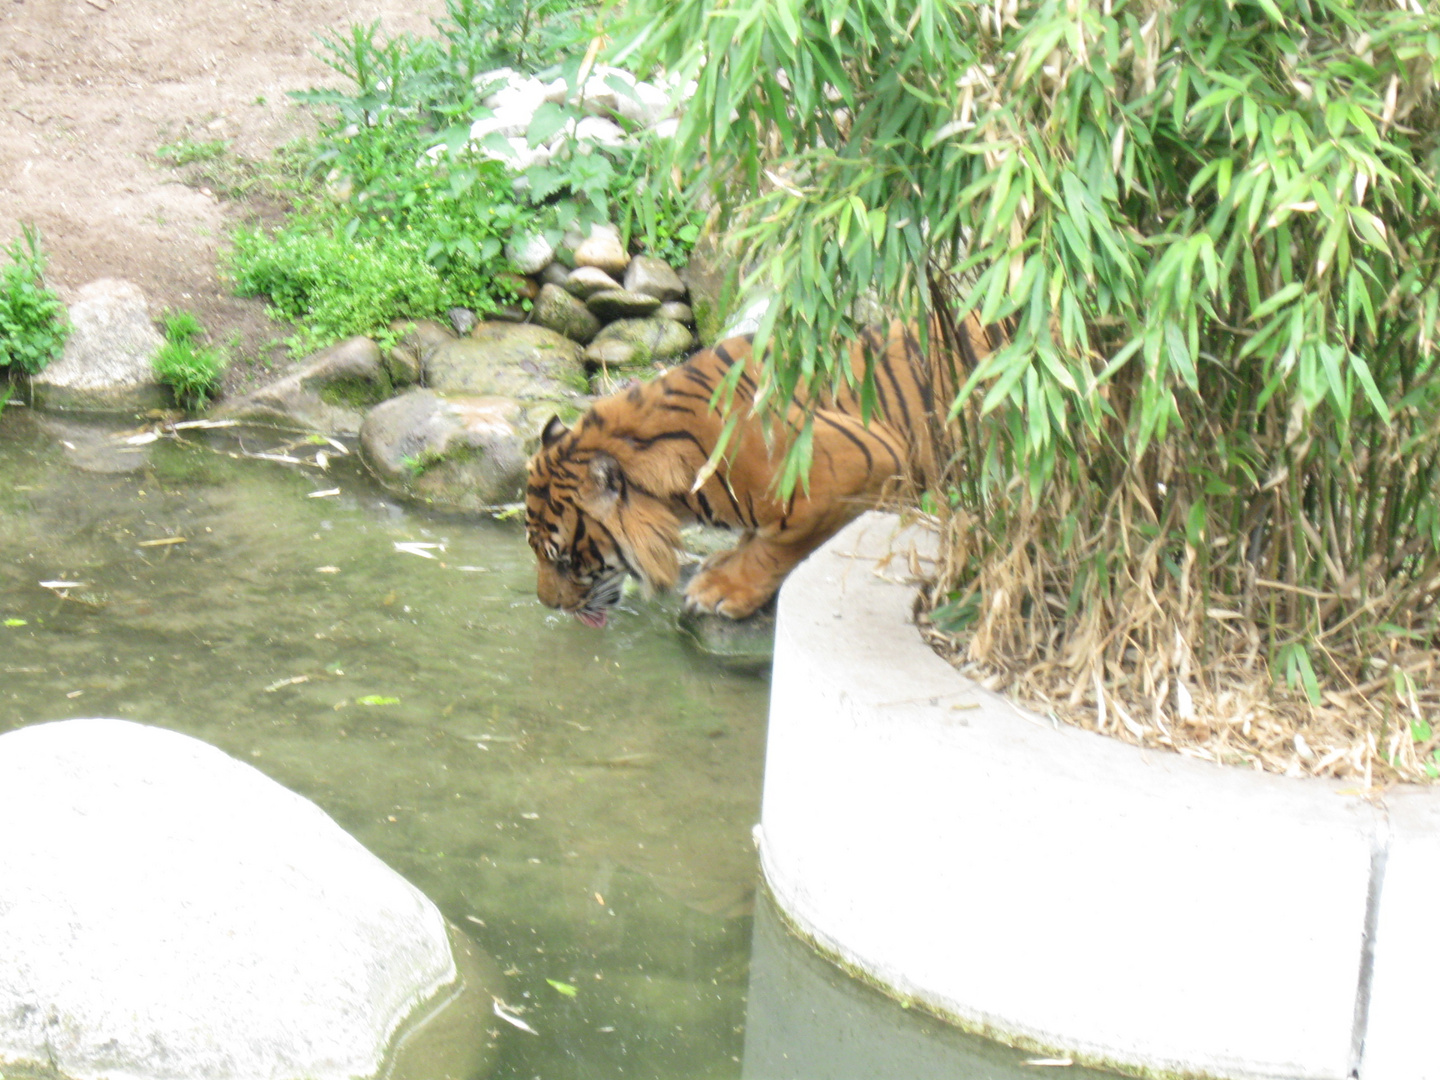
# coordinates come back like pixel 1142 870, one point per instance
pixel 90 89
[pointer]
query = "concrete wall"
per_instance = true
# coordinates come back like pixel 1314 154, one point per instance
pixel 1052 886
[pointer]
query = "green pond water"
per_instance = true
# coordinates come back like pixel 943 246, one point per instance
pixel 579 802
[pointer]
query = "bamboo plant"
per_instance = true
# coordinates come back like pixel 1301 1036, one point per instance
pixel 1207 457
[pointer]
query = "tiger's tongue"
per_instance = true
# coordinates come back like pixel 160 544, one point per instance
pixel 593 619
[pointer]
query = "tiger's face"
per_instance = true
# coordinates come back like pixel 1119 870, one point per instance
pixel 589 526
pixel 579 568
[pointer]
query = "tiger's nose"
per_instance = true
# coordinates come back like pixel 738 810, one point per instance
pixel 547 585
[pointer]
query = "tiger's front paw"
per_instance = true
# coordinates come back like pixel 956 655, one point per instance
pixel 718 589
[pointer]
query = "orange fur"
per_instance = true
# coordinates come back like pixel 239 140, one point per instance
pixel 609 496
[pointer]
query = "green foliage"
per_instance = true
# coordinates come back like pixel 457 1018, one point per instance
pixel 414 219
pixel 654 210
pixel 33 329
pixel 187 151
pixel 192 370
pixel 1212 230
pixel 181 326
pixel 333 288
pixel 209 164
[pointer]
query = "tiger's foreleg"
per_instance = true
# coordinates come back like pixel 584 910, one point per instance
pixel 852 464
pixel 738 582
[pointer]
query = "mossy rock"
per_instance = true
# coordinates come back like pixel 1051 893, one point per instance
pixel 328 393
pixel 523 362
pixel 652 340
pixel 454 452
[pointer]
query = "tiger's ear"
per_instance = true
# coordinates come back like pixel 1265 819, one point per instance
pixel 553 433
pixel 607 473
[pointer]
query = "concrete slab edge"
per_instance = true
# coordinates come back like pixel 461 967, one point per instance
pixel 916 998
pixel 867 817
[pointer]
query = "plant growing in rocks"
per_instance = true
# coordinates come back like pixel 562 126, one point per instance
pixel 415 208
pixel 1195 496
pixel 191 369
pixel 33 329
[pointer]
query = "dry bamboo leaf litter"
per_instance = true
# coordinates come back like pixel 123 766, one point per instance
pixel 1140 678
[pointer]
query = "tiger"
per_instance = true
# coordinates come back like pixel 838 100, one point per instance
pixel 606 498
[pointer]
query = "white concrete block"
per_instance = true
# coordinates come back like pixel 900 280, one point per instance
pixel 1400 1040
pixel 1042 881
pixel 168 911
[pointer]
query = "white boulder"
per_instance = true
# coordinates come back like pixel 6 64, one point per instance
pixel 107 362
pixel 169 912
pixel 529 254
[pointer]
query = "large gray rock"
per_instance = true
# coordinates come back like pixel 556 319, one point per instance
pixel 168 912
pixel 555 309
pixel 524 362
pixel 418 338
pixel 654 277
pixel 601 247
pixel 329 393
pixel 650 340
pixel 107 362
pixel 585 281
pixel 457 452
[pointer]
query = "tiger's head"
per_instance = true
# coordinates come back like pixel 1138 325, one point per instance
pixel 591 522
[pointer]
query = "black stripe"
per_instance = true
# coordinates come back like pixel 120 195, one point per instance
pixel 904 419
pixel 869 460
pixel 670 391
pixel 724 484
pixel 916 359
pixel 696 377
pixel 670 436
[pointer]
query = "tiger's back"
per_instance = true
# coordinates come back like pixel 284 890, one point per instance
pixel 608 497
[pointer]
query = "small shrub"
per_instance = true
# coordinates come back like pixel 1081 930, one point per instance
pixel 190 369
pixel 187 151
pixel 332 287
pixel 33 329
pixel 416 219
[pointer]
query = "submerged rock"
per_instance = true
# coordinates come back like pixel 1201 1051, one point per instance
pixel 457 452
pixel 91 445
pixel 168 911
pixel 107 362
pixel 744 645
pixel 329 393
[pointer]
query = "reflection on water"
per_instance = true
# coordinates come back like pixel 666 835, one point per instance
pixel 579 802
pixel 807 1020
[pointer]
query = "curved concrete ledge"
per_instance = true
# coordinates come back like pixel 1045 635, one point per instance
pixel 1054 888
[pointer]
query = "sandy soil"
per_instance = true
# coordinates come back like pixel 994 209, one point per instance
pixel 90 89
